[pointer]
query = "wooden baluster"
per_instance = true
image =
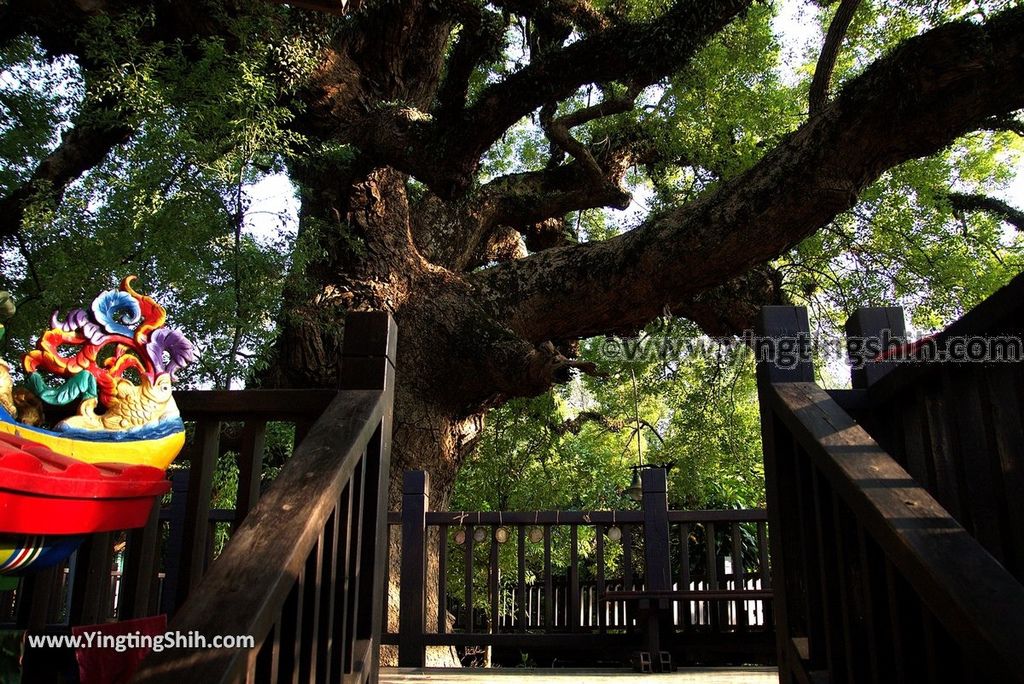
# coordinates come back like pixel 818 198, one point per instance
pixel 90 595
pixel 140 567
pixel 976 461
pixel 820 647
pixel 764 568
pixel 311 597
pixel 493 582
pixel 442 575
pixel 174 548
pixel 873 579
pixel 268 658
pixel 290 625
pixel 250 469
pixel 602 606
pixel 34 600
pixel 917 447
pixel 202 464
pixel 467 578
pixel 904 668
pixel 627 574
pixel 711 574
pixel 685 619
pixel 521 600
pixel 574 579
pixel 355 597
pixel 1002 401
pixel 329 581
pixel 834 620
pixel 549 591
pixel 343 559
pixel 738 577
pixel 944 459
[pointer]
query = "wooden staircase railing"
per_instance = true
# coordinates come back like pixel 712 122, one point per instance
pixel 875 580
pixel 304 572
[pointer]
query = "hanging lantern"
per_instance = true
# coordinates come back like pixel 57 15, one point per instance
pixel 501 534
pixel 479 534
pixel 635 491
pixel 615 533
pixel 536 534
pixel 460 536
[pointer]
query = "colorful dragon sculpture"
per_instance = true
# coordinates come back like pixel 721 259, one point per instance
pixel 101 468
pixel 116 360
pixel 108 348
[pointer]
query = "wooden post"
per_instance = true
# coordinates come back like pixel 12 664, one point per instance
pixel 412 607
pixel 883 326
pixel 368 351
pixel 658 576
pixel 140 567
pixel 202 464
pixel 175 541
pixel 777 324
pixel 782 345
pixel 655 615
pixel 368 363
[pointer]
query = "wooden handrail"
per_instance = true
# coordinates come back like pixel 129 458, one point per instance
pixel 270 404
pixel 971 594
pixel 304 572
pixel 582 517
pixel 305 492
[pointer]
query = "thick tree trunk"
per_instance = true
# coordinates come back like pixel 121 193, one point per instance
pixel 367 260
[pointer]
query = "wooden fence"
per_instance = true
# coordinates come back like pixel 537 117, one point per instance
pixel 887 563
pixel 720 556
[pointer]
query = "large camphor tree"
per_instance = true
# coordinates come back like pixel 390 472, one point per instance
pixel 451 156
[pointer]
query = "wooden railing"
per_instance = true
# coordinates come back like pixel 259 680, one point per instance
pixel 720 557
pixel 969 449
pixel 876 581
pixel 303 574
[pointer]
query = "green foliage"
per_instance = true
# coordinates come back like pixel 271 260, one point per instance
pixel 905 244
pixel 174 204
pixel 696 407
pixel 36 97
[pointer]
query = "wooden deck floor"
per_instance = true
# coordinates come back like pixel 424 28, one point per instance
pixel 703 675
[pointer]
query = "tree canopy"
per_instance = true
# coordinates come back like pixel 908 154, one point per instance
pixel 466 165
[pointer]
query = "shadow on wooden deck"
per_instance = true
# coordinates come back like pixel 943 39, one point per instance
pixel 693 675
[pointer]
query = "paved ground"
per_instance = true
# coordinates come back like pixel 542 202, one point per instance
pixel 708 675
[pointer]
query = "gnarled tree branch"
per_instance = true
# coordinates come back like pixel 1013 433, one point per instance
pixel 520 202
pixel 580 14
pixel 897 110
pixel 82 147
pixel 818 96
pixel 640 54
pixel 965 202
